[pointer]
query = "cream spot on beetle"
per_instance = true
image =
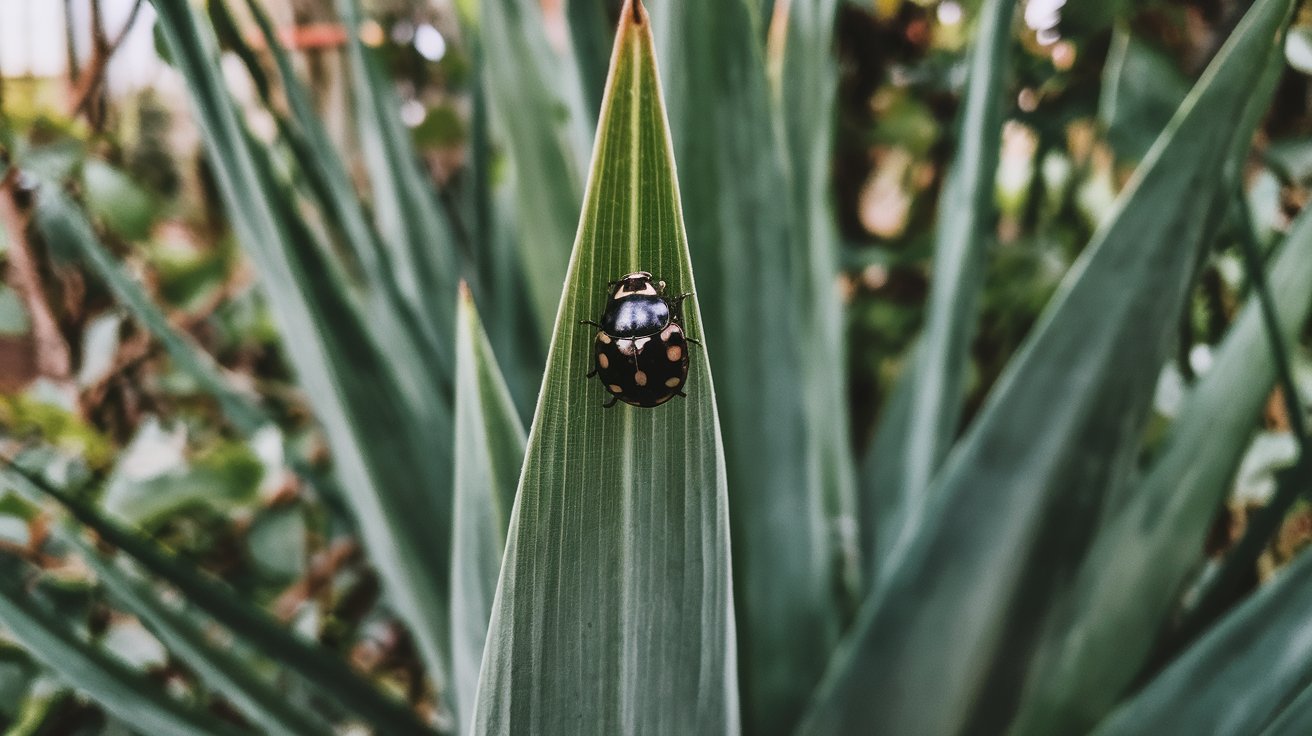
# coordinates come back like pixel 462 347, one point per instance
pixel 615 389
pixel 672 382
pixel 640 378
pixel 603 338
pixel 674 353
pixel 640 343
pixel 603 361
pixel 669 332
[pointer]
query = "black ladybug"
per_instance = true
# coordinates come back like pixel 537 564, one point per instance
pixel 640 350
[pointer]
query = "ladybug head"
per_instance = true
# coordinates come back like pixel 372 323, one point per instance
pixel 639 282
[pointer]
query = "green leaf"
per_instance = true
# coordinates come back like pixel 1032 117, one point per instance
pixel 223 479
pixel 537 104
pixel 614 601
pixel 1141 89
pixel 399 489
pixel 489 453
pixel 118 689
pixel 808 87
pixel 590 31
pixel 319 667
pixel 1128 586
pixel 60 221
pixel 1013 509
pixel 738 206
pixel 911 442
pixel 413 223
pixel 219 668
pixel 123 206
pixel 1240 675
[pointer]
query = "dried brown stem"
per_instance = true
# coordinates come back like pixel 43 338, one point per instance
pixel 53 358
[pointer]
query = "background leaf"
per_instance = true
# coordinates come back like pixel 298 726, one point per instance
pixel 1013 509
pixel 614 599
pixel 911 442
pixel 489 453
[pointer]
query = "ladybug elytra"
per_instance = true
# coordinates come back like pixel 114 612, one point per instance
pixel 640 350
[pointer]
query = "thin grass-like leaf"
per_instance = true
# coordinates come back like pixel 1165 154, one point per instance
pixel 1240 676
pixel 256 698
pixel 129 695
pixel 399 488
pixel 808 86
pixel 739 209
pixel 910 444
pixel 413 224
pixel 945 643
pixel 538 107
pixel 321 669
pixel 614 611
pixel 489 454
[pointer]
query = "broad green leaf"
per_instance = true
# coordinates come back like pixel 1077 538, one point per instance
pixel 808 84
pixel 537 104
pixel 319 667
pixel 738 206
pixel 946 641
pixel 223 479
pixel 1127 588
pixel 60 221
pixel 127 694
pixel 412 222
pixel 614 610
pixel 1239 676
pixel 220 669
pixel 118 201
pixel 399 488
pixel 911 441
pixel 489 453
pixel 590 31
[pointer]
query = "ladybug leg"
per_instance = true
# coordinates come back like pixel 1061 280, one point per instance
pixel 610 403
pixel 589 322
pixel 692 341
pixel 591 373
pixel 682 394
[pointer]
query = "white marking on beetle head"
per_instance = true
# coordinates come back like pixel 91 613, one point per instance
pixel 669 332
pixel 640 343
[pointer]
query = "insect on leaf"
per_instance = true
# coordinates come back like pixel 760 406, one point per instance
pixel 615 592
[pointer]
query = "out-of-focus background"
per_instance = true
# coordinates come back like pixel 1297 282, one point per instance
pixel 1089 87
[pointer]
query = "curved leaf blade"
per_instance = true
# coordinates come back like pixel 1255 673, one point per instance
pixel 489 454
pixel 1014 507
pixel 615 594
pixel 910 443
pixel 1240 675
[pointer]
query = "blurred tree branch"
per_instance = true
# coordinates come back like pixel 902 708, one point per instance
pixel 53 358
pixel 90 80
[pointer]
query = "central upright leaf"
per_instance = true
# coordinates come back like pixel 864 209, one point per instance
pixel 614 610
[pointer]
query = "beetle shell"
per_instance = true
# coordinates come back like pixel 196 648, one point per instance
pixel 640 351
pixel 643 371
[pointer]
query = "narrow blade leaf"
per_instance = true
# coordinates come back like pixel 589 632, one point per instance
pixel 489 454
pixel 1240 675
pixel 910 444
pixel 615 601
pixel 537 104
pixel 946 641
pixel 399 489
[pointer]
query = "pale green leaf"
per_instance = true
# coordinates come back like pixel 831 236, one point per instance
pixel 614 610
pixel 489 453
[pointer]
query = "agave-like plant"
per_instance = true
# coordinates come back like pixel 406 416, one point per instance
pixel 724 563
